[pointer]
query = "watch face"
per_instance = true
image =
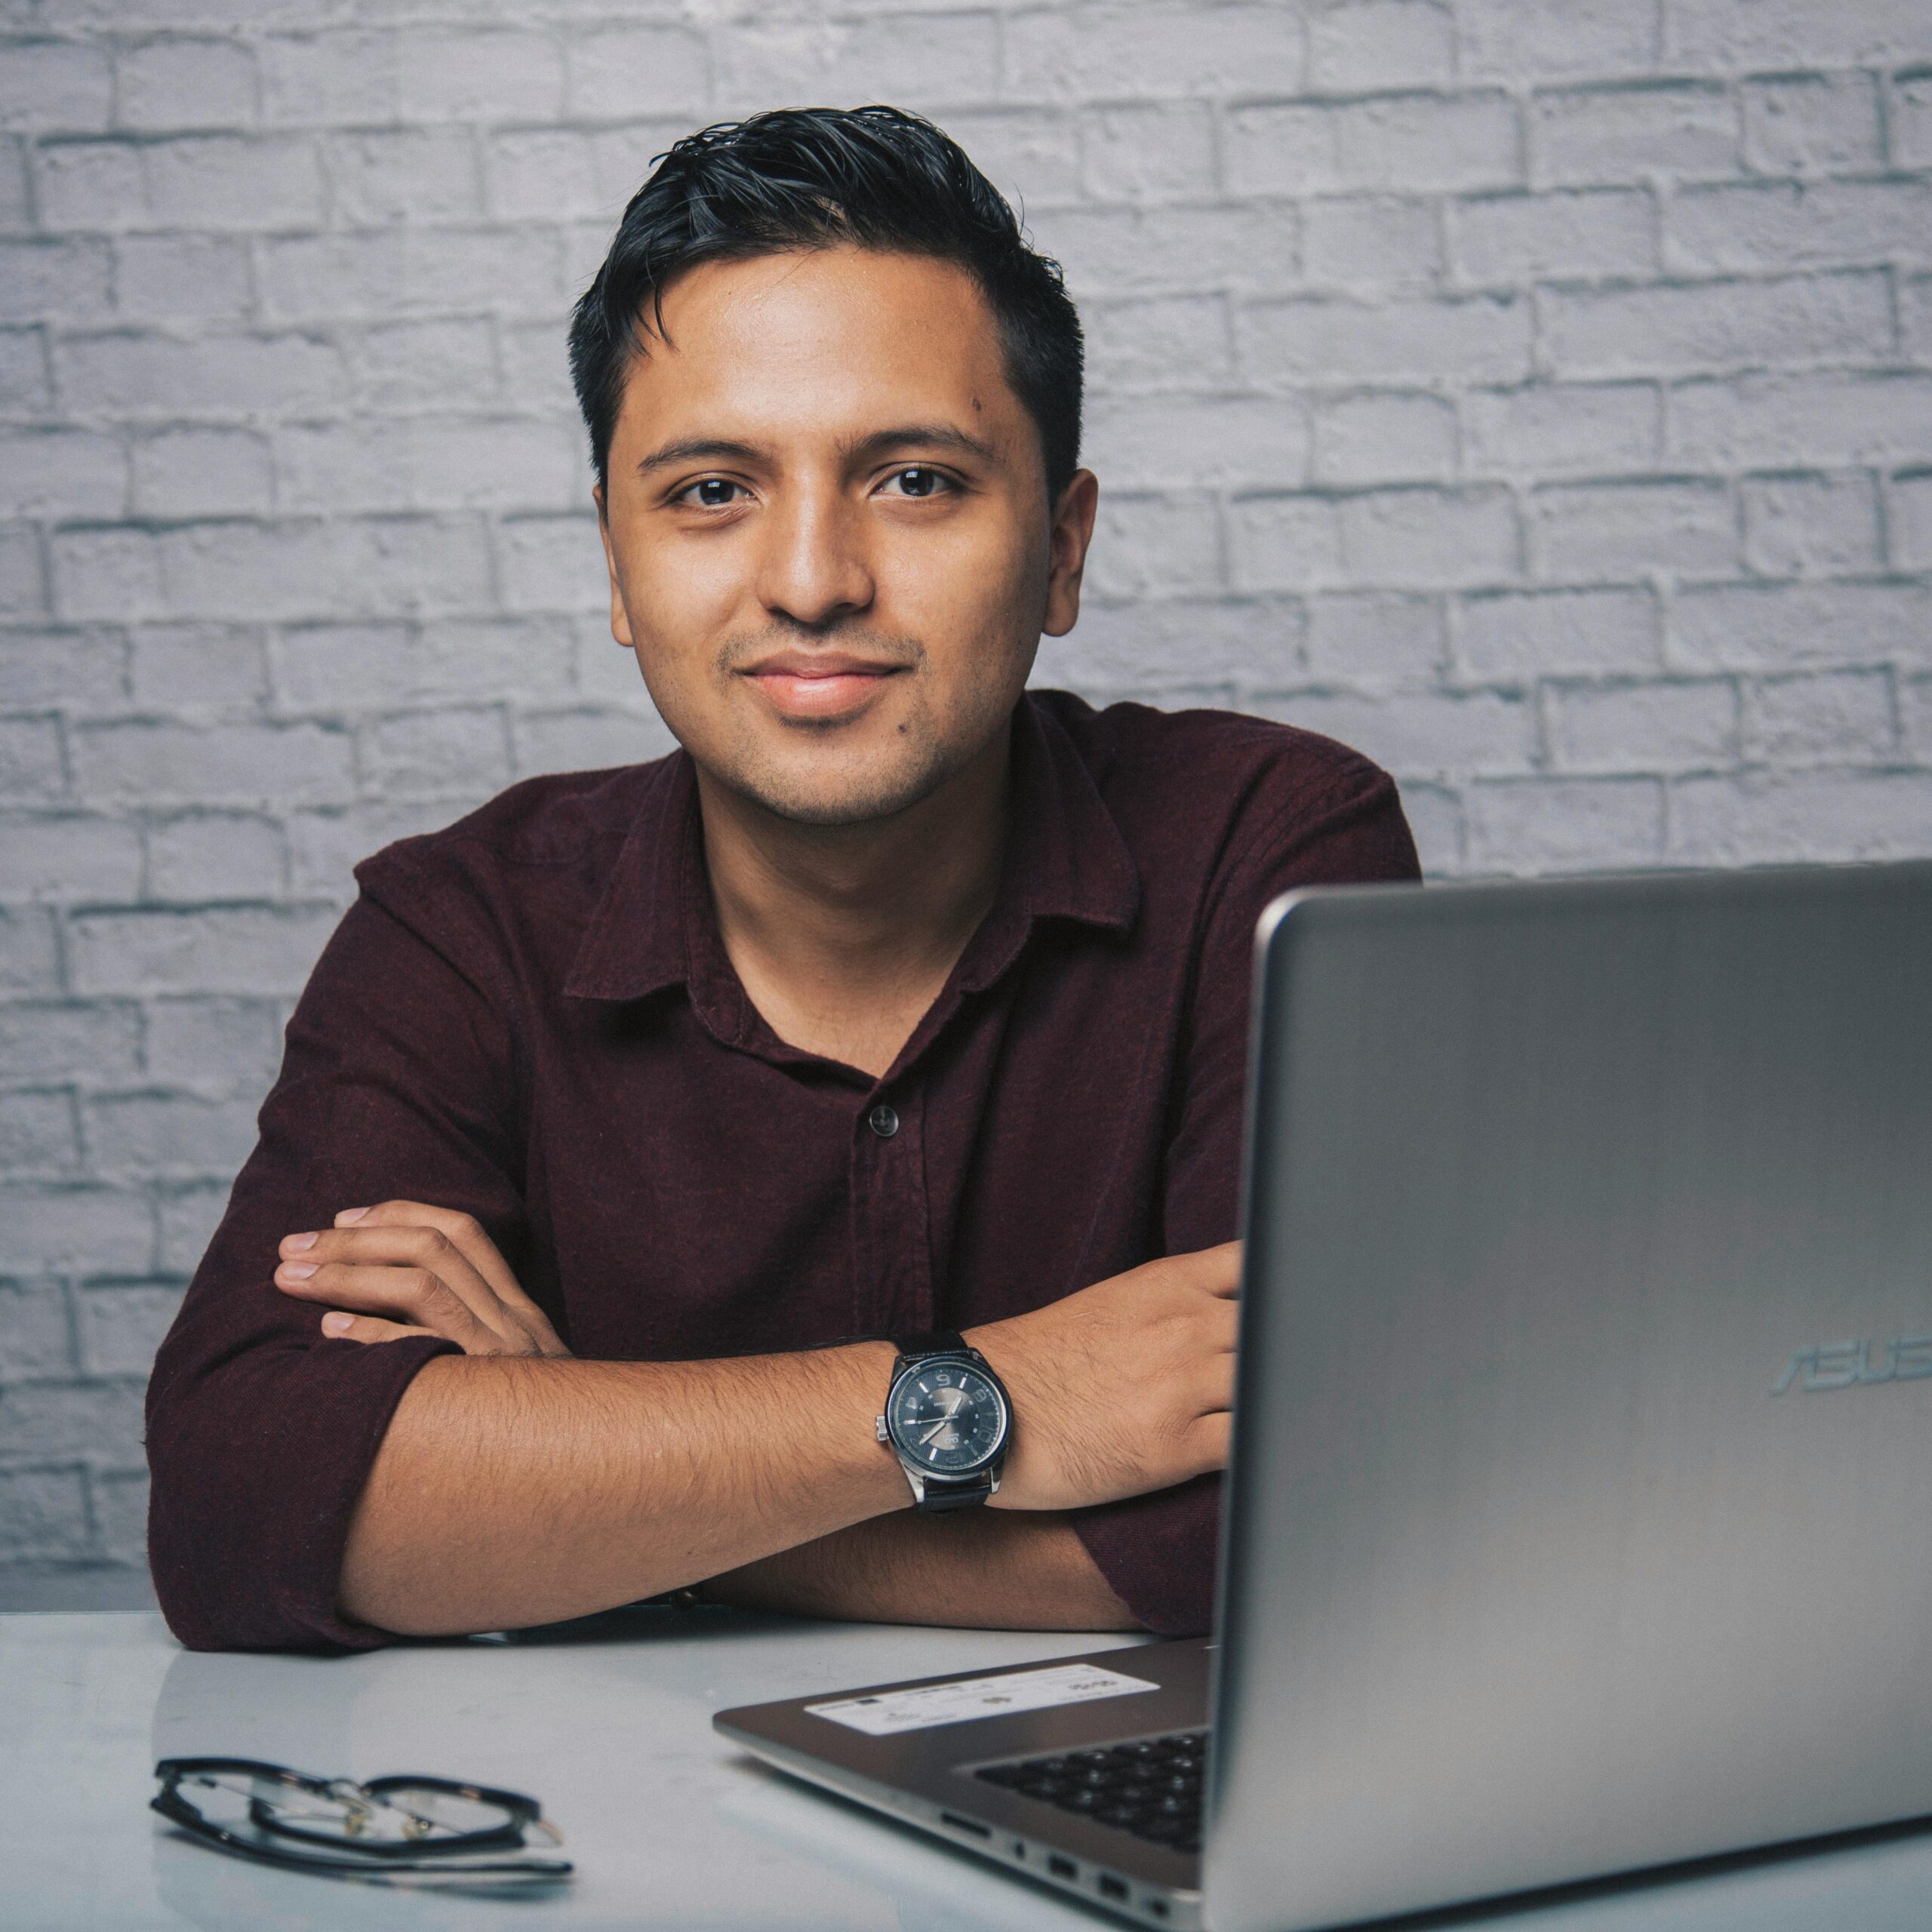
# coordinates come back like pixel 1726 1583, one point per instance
pixel 946 1417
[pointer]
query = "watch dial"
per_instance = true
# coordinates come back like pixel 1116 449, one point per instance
pixel 948 1418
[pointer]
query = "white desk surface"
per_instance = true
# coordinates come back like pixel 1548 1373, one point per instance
pixel 668 1826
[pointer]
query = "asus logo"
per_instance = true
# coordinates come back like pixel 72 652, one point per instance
pixel 1851 1365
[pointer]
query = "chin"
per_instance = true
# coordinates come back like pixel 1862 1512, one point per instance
pixel 862 796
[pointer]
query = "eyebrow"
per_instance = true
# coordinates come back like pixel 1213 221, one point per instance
pixel 911 435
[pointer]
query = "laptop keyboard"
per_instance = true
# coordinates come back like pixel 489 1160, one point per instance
pixel 1151 1787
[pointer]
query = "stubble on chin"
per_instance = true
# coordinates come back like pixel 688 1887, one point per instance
pixel 819 783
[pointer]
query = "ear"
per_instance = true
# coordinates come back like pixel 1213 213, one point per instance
pixel 620 619
pixel 1072 532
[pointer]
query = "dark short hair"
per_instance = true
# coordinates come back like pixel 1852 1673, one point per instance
pixel 815 177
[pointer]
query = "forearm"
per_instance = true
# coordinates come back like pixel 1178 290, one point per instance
pixel 998 1569
pixel 515 1491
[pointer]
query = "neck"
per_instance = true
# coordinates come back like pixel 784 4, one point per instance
pixel 843 935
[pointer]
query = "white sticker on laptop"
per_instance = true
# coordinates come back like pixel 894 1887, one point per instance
pixel 889 1712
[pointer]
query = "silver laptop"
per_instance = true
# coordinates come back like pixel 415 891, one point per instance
pixel 1576 1522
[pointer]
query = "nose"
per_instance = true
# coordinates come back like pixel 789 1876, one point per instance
pixel 813 570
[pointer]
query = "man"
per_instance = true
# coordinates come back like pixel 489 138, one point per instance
pixel 629 1127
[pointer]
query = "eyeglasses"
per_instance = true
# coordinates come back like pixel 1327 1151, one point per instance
pixel 388 1828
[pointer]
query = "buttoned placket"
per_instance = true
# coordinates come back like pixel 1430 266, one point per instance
pixel 892 1230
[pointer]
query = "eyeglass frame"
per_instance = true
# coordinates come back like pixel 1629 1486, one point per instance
pixel 378 1855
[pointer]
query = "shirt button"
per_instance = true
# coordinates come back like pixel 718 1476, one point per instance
pixel 883 1121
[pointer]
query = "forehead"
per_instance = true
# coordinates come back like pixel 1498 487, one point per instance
pixel 825 341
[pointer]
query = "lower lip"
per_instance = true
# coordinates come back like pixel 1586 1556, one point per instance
pixel 819 698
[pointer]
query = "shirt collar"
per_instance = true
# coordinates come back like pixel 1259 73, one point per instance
pixel 653 925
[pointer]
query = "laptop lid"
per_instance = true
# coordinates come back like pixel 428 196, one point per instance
pixel 1577 1516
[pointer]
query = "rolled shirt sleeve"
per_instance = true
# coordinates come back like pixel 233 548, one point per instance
pixel 1158 1551
pixel 260 1434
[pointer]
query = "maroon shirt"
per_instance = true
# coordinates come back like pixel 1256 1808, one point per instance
pixel 530 1015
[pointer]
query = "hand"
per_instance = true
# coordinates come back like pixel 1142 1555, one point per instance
pixel 1121 1388
pixel 432 1267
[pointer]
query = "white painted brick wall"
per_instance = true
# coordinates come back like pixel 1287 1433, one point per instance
pixel 1537 392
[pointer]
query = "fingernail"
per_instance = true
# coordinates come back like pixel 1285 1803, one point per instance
pixel 336 1323
pixel 350 1214
pixel 296 1242
pixel 297 1271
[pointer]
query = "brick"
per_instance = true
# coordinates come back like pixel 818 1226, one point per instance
pixel 1782 224
pixel 323 845
pixel 1155 443
pixel 1384 438
pixel 1427 143
pixel 586 741
pixel 1812 124
pixel 188 1214
pixel 1911 519
pixel 127 373
pixel 1911 120
pixel 1285 543
pixel 404 174
pixel 1154 546
pixel 181 277
pixel 1149 151
pixel 224 1045
pixel 1811 525
pixel 1129 251
pixel 551 563
pixel 22 580
pixel 34 1337
pixel 1525 634
pixel 68 855
pixel 329 79
pixel 191 472
pixel 43 666
pixel 31 767
pixel 1082 52
pixel 251 183
pixel 68 1039
pixel 619 73
pixel 1684 724
pixel 430 463
pixel 1588 532
pixel 168 1132
pixel 1831 717
pixel 68 1228
pixel 1554 825
pixel 462 753
pixel 224 949
pixel 1361 244
pixel 535 174
pixel 1791 318
pixel 27 388
pixel 1915 317
pixel 1596 135
pixel 393 271
pixel 1418 733
pixel 1374 638
pixel 1796 33
pixel 186 83
pixel 47 1419
pixel 1436 538
pixel 1760 819
pixel 44 280
pixel 43 1514
pixel 197 664
pixel 1915 716
pixel 1823 417
pixel 1164 342
pixel 105 573
pixel 1556 429
pixel 760 61
pixel 1155 644
pixel 214 855
pixel 16 197
pixel 1435 813
pixel 408 363
pixel 55 86
pixel 1031 155
pixel 1505 240
pixel 63 472
pixel 38 1132
pixel 29 957
pixel 472 75
pixel 1505 39
pixel 1478 339
pixel 360 667
pixel 122 1323
pixel 1369 46
pixel 1747 626
pixel 152 759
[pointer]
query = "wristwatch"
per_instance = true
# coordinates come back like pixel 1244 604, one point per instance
pixel 948 1419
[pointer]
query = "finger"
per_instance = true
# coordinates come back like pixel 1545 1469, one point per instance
pixel 1216 1269
pixel 338 1325
pixel 466 1234
pixel 418 1299
pixel 1210 1438
pixel 1210 1387
pixel 402 1246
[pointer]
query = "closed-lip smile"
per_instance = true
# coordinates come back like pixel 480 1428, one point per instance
pixel 819 684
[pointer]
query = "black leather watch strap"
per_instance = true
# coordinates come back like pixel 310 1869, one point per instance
pixel 960 1494
pixel 936 1341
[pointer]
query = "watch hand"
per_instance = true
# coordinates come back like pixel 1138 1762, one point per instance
pixel 944 1422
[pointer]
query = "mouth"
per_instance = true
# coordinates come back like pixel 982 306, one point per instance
pixel 811 685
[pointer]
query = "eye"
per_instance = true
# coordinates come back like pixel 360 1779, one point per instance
pixel 919 481
pixel 709 493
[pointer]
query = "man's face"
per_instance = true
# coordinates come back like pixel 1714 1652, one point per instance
pixel 827 528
